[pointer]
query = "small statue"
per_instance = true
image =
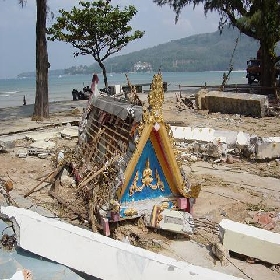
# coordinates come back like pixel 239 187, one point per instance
pixel 147 175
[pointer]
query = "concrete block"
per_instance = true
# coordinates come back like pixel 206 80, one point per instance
pixel 250 241
pixel 98 255
pixel 242 138
pixel 267 147
pixel 7 143
pixel 22 153
pixel 70 132
pixel 200 99
pixel 176 221
pixel 43 155
pixel 236 103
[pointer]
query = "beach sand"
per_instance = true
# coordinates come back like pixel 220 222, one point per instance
pixel 229 190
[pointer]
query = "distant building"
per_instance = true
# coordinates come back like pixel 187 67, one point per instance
pixel 142 67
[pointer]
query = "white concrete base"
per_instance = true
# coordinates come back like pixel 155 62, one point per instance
pixel 97 255
pixel 251 241
pixel 268 147
pixel 176 221
pixel 261 147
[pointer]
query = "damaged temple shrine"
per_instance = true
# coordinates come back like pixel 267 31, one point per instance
pixel 130 165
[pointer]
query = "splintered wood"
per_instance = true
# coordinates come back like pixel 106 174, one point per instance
pixel 106 136
pixel 103 142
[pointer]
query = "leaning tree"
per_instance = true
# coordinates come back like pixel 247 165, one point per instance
pixel 96 28
pixel 41 106
pixel 259 19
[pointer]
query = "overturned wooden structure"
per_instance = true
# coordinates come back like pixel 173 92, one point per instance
pixel 132 147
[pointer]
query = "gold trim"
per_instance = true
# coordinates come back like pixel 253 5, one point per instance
pixel 152 118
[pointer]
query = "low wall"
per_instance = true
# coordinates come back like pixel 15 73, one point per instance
pixel 251 241
pixel 98 255
pixel 234 103
pixel 251 145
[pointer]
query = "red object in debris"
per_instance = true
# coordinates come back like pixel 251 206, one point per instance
pixel 182 203
pixel 76 173
pixel 105 225
pixel 115 217
pixel 265 219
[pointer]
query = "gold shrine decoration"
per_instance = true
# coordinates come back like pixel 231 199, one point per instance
pixel 153 128
pixel 155 100
pixel 147 179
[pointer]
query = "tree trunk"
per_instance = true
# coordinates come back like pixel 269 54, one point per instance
pixel 268 77
pixel 41 106
pixel 101 65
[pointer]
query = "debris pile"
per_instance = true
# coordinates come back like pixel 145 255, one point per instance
pixel 8 242
pixel 122 167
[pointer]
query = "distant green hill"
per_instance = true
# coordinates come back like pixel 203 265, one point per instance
pixel 202 52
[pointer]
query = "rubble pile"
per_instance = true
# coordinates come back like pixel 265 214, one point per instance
pixel 121 172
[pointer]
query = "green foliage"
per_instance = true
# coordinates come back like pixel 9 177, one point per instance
pixel 255 18
pixel 96 28
pixel 258 19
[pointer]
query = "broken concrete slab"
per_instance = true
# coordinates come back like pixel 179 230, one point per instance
pixel 176 221
pixel 208 138
pixel 6 143
pixel 253 105
pixel 42 155
pixel 70 132
pixel 250 241
pixel 42 145
pixel 77 248
pixel 42 135
pixel 22 153
pixel 267 147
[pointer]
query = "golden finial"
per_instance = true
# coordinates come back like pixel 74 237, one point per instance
pixel 156 98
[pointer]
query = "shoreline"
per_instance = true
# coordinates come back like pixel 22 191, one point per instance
pixel 26 111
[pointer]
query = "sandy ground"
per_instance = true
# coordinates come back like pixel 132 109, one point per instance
pixel 240 191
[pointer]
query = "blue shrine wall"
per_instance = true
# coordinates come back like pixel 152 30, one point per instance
pixel 147 192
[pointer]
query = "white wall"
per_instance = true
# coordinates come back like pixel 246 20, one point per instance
pixel 98 255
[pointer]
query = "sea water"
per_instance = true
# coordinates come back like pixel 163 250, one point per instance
pixel 12 91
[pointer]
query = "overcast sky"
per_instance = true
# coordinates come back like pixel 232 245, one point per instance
pixel 17 32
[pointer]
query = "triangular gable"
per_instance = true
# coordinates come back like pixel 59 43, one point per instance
pixel 153 134
pixel 148 179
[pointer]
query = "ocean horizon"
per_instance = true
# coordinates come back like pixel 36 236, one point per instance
pixel 12 91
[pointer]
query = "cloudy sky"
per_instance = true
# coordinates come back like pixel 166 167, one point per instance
pixel 17 32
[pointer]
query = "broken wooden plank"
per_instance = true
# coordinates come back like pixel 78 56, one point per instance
pixel 92 175
pixel 50 176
